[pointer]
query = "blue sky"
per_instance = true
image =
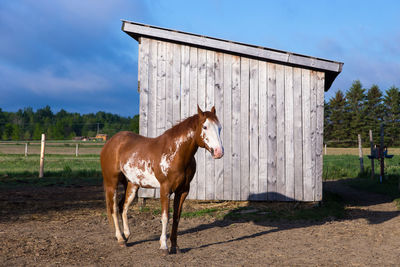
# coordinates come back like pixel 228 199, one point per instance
pixel 72 54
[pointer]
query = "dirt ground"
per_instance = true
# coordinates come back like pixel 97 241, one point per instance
pixel 67 226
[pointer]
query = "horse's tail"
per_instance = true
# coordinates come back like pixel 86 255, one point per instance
pixel 109 205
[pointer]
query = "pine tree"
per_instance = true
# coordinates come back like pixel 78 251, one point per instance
pixel 337 118
pixel 355 97
pixel 374 111
pixel 392 115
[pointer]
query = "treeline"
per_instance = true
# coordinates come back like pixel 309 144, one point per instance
pixel 357 111
pixel 26 124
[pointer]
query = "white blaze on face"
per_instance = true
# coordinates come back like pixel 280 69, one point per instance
pixel 210 134
pixel 140 172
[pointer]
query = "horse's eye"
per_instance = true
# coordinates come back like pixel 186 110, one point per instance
pixel 205 127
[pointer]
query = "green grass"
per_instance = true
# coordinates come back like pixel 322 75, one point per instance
pixel 199 213
pixel 21 167
pixel 348 166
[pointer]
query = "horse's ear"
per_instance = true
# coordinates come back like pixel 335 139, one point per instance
pixel 199 111
pixel 213 110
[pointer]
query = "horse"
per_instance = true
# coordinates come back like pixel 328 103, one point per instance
pixel 166 162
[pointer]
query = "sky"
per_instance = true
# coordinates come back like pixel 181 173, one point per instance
pixel 72 54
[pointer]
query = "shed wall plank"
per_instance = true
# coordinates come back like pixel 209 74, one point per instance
pixel 297 135
pixel 169 86
pixel 289 144
pixel 236 140
pixel 263 131
pixel 244 126
pixel 280 133
pixel 176 84
pixel 185 81
pixel 219 104
pixel 161 81
pixel 227 126
pixel 320 135
pixel 152 113
pixel 306 119
pixel 144 83
pixel 313 122
pixel 272 151
pixel 253 130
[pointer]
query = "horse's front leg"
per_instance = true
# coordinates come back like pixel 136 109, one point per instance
pixel 164 195
pixel 178 203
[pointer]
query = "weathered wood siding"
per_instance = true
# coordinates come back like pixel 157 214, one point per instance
pixel 271 114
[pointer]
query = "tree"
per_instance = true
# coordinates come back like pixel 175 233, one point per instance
pixel 392 115
pixel 16 132
pixel 37 132
pixel 373 108
pixel 337 118
pixel 355 97
pixel 7 132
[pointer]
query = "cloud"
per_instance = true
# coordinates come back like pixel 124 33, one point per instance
pixel 69 53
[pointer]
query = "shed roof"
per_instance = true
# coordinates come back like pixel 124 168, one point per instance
pixel 331 68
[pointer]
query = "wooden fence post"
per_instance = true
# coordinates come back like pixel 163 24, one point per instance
pixel 76 150
pixel 371 140
pixel 325 148
pixel 41 167
pixel 26 149
pixel 360 154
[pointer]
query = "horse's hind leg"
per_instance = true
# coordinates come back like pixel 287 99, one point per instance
pixel 111 187
pixel 130 195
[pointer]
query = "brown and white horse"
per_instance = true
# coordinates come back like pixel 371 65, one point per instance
pixel 166 162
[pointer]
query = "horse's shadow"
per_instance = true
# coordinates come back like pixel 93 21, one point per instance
pixel 276 224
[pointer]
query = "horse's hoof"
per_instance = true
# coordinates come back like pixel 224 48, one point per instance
pixel 175 250
pixel 122 243
pixel 126 237
pixel 164 252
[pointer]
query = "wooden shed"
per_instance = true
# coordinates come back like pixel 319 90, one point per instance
pixel 270 104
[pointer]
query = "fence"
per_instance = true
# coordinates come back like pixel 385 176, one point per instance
pixel 60 147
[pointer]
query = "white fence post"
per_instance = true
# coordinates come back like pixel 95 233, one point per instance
pixel 76 150
pixel 41 168
pixel 26 149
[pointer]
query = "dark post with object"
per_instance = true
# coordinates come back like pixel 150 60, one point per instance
pixel 360 154
pixel 382 156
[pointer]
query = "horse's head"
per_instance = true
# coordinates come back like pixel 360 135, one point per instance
pixel 208 134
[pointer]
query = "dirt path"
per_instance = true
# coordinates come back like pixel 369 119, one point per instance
pixel 67 226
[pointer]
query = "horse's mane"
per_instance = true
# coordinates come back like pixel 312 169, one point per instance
pixel 180 127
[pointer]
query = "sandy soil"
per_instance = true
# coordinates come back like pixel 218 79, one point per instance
pixel 67 226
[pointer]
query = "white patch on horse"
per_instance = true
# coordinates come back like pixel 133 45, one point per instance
pixel 163 237
pixel 140 172
pixel 211 135
pixel 167 158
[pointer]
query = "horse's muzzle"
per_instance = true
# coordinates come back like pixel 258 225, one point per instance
pixel 218 152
